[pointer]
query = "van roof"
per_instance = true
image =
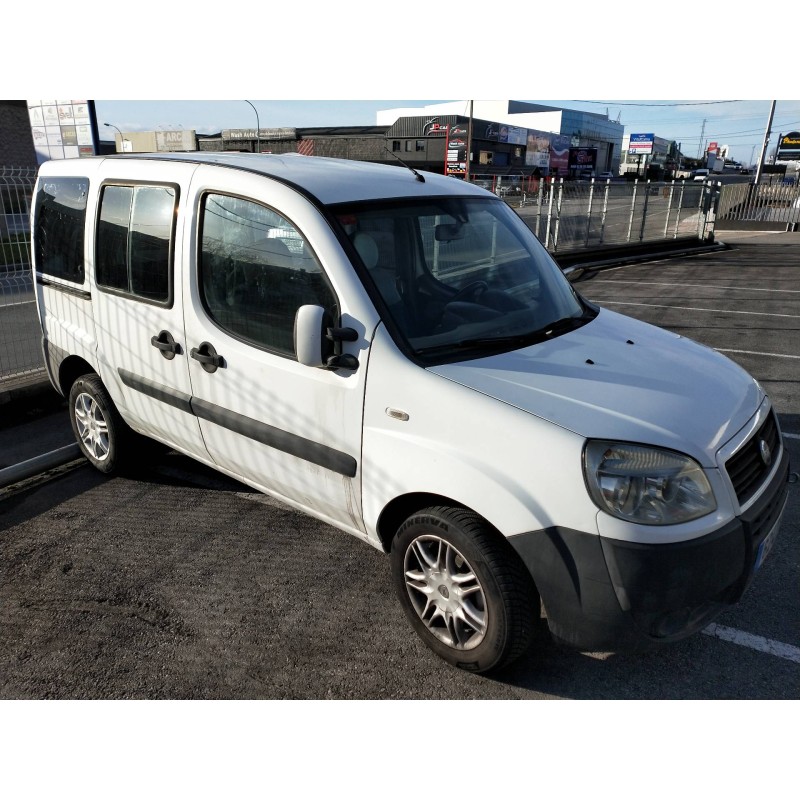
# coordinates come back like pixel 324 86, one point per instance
pixel 329 180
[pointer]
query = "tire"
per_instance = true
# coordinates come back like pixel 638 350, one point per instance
pixel 101 433
pixel 464 589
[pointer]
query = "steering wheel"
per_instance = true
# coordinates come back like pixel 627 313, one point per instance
pixel 470 293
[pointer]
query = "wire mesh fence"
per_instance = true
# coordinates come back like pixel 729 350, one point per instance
pixel 21 358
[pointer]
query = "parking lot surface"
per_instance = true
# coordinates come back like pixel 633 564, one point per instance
pixel 179 583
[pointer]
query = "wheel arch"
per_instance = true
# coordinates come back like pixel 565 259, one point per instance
pixel 401 508
pixel 70 369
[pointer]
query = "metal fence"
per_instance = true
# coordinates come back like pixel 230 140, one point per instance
pixel 772 205
pixel 21 358
pixel 569 215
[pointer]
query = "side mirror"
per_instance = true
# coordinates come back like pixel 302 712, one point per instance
pixel 319 345
pixel 309 333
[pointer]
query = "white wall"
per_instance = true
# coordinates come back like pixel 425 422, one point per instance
pixel 489 110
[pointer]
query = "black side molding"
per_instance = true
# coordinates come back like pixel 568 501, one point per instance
pixel 316 453
pixel 320 454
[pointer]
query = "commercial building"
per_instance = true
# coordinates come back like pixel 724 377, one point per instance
pixel 508 140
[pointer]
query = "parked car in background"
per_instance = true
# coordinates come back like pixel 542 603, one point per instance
pixel 606 176
pixel 701 174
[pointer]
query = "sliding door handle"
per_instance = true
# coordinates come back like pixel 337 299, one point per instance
pixel 166 344
pixel 208 357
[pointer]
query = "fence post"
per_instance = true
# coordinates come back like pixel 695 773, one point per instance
pixel 669 209
pixel 680 207
pixel 558 212
pixel 589 214
pixel 644 210
pixel 539 210
pixel 633 207
pixel 605 210
pixel 549 213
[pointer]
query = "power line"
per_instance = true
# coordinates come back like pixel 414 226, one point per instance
pixel 656 105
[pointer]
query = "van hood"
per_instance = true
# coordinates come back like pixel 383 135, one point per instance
pixel 622 379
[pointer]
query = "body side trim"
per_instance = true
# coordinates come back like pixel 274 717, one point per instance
pixel 314 452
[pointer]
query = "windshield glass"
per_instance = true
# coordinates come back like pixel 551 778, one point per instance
pixel 461 274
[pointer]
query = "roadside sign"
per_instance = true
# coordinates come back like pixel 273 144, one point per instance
pixel 641 143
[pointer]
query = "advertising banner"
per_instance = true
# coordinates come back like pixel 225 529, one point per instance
pixel 62 128
pixel 789 147
pixel 537 153
pixel 175 141
pixel 641 144
pixel 583 159
pixel 559 155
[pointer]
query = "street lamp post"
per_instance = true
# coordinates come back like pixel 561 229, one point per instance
pixel 258 127
pixel 121 137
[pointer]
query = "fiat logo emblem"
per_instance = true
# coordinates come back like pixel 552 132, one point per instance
pixel 766 453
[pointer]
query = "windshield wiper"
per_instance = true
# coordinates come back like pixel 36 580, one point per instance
pixel 548 331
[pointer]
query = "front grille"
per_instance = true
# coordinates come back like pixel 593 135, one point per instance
pixel 747 469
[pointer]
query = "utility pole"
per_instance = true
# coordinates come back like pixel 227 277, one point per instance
pixel 702 134
pixel 765 145
pixel 469 142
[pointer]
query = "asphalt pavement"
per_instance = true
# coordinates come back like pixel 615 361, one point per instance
pixel 181 583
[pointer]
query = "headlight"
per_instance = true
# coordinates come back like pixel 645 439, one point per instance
pixel 646 484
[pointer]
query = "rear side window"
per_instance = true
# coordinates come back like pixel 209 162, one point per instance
pixel 135 233
pixel 256 270
pixel 59 227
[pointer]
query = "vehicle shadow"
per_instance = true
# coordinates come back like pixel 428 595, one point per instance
pixel 699 668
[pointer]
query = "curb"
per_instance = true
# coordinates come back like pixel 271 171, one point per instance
pixel 35 466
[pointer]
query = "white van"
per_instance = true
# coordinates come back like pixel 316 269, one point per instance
pixel 396 354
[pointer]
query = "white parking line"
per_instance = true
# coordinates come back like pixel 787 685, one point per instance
pixel 701 286
pixel 754 353
pixel 779 649
pixel 689 308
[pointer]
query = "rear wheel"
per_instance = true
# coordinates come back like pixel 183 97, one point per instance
pixel 464 589
pixel 100 431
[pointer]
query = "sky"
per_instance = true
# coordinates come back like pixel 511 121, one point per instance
pixel 330 64
pixel 740 124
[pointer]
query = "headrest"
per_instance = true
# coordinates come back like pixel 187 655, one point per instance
pixel 367 248
pixel 273 251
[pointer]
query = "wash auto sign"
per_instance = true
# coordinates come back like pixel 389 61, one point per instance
pixel 641 144
pixel 789 147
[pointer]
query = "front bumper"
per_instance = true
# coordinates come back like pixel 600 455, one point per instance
pixel 610 595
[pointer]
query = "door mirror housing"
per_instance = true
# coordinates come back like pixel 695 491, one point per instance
pixel 318 344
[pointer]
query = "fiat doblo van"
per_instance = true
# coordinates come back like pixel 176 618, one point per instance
pixel 396 354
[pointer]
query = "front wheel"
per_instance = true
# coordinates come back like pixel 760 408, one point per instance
pixel 464 589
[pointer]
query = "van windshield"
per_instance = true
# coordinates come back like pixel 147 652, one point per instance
pixel 460 276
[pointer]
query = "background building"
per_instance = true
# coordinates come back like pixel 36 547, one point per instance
pixel 16 140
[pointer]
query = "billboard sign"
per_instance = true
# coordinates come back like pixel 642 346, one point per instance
pixel 641 144
pixel 175 141
pixel 583 158
pixel 63 128
pixel 559 155
pixel 789 147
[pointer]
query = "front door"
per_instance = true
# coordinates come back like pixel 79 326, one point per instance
pixel 290 430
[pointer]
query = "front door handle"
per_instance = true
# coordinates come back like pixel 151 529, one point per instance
pixel 208 357
pixel 166 343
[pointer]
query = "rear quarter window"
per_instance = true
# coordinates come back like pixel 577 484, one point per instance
pixel 59 226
